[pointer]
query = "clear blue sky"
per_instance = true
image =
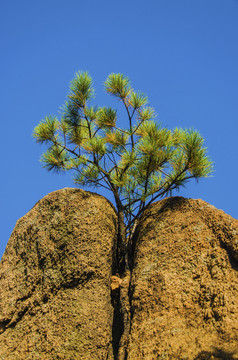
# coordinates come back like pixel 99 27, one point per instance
pixel 183 54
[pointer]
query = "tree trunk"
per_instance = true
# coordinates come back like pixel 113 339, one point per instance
pixel 121 252
pixel 122 260
pixel 126 315
pixel 124 272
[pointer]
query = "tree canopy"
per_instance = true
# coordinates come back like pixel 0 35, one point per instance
pixel 138 164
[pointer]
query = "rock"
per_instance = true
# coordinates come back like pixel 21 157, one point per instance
pixel 55 277
pixel 60 299
pixel 184 286
pixel 115 283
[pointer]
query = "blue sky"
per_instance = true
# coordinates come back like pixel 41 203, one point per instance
pixel 183 54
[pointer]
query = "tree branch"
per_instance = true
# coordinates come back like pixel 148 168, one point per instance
pixel 130 122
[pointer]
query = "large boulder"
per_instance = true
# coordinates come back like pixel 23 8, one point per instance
pixel 184 286
pixel 55 300
pixel 55 296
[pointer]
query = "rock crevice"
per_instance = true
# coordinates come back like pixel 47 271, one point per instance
pixel 61 299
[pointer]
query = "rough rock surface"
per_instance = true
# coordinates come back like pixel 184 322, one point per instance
pixel 56 289
pixel 184 287
pixel 55 300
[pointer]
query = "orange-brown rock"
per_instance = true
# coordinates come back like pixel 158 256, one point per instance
pixel 57 291
pixel 184 287
pixel 55 278
pixel 115 283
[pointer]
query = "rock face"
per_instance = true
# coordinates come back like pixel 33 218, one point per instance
pixel 184 287
pixel 55 300
pixel 55 279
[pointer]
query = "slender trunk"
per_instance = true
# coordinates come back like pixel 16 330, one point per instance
pixel 124 270
pixel 125 309
pixel 125 274
pixel 131 244
pixel 122 261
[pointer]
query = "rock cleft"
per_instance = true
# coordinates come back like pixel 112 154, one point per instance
pixel 60 299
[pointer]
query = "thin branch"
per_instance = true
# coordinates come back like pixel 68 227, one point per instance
pixel 138 126
pixel 124 131
pixel 130 122
pixel 74 101
pixel 95 132
pixel 160 194
pixel 112 160
pixel 88 122
pixel 101 170
pixel 163 172
pixel 147 177
pixel 98 183
pixel 133 112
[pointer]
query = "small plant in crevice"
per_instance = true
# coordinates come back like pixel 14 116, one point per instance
pixel 138 163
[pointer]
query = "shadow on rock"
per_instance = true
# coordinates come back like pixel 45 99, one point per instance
pixel 215 355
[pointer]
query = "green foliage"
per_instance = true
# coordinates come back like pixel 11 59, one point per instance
pixel 55 158
pixel 137 100
pixel 118 85
pixel 106 118
pixel 138 164
pixel 45 131
pixel 81 89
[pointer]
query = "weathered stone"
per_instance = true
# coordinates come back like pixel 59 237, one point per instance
pixel 57 288
pixel 115 283
pixel 184 287
pixel 55 276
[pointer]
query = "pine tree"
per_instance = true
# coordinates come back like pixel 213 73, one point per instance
pixel 138 164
